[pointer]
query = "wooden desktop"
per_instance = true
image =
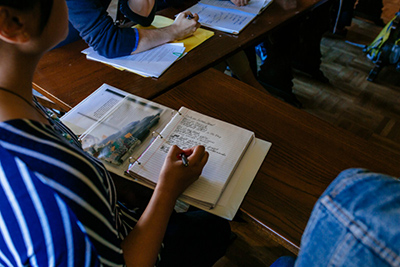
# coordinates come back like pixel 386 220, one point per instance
pixel 306 154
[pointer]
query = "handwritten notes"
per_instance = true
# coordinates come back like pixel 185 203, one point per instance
pixel 226 144
pixel 225 16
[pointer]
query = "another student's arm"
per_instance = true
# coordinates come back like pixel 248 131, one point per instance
pixel 181 28
pixel 142 245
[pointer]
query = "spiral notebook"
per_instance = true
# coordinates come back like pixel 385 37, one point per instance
pixel 132 136
pixel 225 143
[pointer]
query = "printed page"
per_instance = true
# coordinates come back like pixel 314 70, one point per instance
pixel 150 63
pixel 253 7
pixel 226 144
pixel 231 21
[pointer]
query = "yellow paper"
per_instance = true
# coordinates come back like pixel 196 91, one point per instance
pixel 190 42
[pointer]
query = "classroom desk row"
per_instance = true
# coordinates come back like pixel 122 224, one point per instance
pixel 64 72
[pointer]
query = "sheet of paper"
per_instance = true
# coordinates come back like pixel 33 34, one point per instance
pixel 231 21
pixel 190 42
pixel 150 63
pixel 241 181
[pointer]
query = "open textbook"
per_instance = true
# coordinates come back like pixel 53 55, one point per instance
pixel 153 62
pixel 226 16
pixel 132 137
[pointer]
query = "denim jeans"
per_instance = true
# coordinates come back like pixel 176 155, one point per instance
pixel 356 222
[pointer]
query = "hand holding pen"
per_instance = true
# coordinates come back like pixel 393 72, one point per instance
pixel 187 23
pixel 175 177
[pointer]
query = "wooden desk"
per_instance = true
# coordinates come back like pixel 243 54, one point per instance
pixel 66 73
pixel 306 154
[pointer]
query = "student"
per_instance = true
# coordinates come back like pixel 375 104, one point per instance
pixel 59 206
pixel 354 223
pixel 89 19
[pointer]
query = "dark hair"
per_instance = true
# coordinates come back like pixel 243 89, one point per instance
pixel 21 4
pixel 26 5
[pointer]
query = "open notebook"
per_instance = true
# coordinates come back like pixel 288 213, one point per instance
pixel 132 136
pixel 225 16
pixel 226 144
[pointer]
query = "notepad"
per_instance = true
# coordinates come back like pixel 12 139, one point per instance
pixel 132 136
pixel 226 16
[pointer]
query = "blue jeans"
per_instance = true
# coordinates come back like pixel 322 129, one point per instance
pixel 356 222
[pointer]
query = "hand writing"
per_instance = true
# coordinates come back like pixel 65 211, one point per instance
pixel 184 26
pixel 174 176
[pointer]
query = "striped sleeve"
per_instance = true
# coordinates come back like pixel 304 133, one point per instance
pixel 61 189
pixel 36 225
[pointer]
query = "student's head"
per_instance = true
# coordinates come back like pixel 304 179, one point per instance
pixel 43 23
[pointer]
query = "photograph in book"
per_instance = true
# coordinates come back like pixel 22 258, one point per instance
pixel 115 126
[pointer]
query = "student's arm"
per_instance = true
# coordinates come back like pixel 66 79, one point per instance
pixel 142 245
pixel 97 28
pixel 181 28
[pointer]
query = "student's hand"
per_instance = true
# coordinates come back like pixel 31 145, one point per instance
pixel 184 26
pixel 240 2
pixel 174 176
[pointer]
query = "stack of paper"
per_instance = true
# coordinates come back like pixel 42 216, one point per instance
pixel 150 63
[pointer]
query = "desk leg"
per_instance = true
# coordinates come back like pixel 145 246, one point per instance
pixel 307 58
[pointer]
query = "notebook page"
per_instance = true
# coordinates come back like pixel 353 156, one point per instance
pixel 226 143
pixel 232 21
pixel 253 7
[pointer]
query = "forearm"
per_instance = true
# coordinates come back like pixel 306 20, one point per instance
pixel 142 245
pixel 181 28
pixel 154 37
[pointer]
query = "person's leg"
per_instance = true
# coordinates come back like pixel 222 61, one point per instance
pixel 195 238
pixel 240 67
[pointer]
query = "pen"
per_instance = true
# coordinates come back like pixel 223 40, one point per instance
pixel 190 16
pixel 185 160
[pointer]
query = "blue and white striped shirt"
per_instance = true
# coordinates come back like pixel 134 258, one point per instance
pixel 58 205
